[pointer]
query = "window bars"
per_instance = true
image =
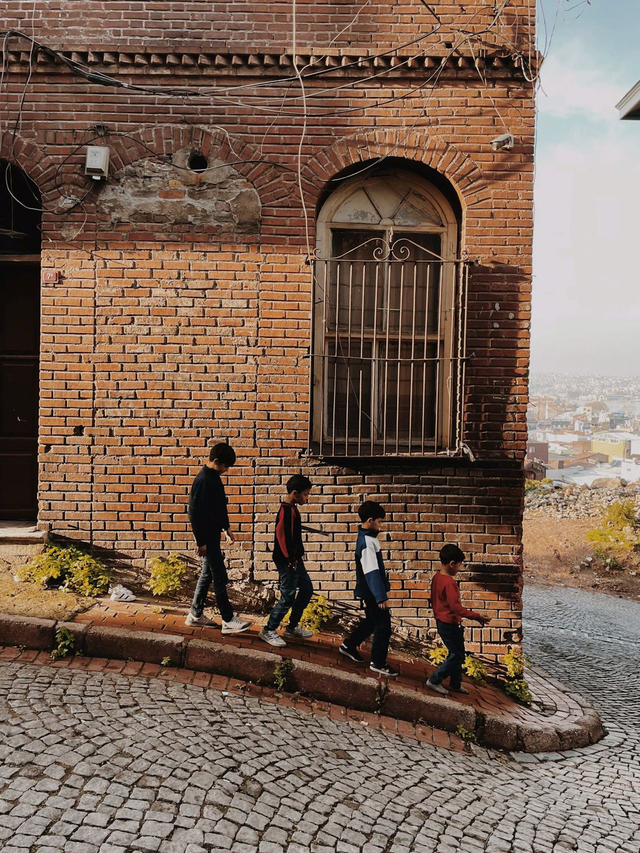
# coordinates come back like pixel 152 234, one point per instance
pixel 388 348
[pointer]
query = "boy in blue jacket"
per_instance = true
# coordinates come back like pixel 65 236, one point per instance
pixel 372 586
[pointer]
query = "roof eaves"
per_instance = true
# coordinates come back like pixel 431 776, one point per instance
pixel 629 106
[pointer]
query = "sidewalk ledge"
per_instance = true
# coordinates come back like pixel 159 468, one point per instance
pixel 533 733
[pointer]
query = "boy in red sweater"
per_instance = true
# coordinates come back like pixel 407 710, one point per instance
pixel 449 613
pixel 295 584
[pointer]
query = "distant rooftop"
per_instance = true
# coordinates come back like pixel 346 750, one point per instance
pixel 629 106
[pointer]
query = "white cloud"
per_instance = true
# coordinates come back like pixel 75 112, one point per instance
pixel 585 296
pixel 586 302
pixel 574 85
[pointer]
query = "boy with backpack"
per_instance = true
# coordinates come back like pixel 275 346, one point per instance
pixel 209 518
pixel 449 613
pixel 372 586
pixel 296 589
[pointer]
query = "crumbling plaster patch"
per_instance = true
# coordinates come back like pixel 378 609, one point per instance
pixel 150 191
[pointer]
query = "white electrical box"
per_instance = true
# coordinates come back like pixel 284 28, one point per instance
pixel 97 162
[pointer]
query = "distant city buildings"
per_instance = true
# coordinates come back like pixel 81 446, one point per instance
pixel 583 429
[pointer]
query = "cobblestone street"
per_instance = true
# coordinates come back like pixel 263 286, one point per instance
pixel 103 763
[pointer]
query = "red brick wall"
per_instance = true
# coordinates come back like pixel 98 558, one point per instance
pixel 159 337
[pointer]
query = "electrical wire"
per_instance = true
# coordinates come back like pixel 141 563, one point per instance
pixel 303 132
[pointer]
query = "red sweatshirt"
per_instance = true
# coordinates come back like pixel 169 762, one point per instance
pixel 445 600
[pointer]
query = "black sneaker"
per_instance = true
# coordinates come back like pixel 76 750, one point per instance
pixel 356 657
pixel 384 670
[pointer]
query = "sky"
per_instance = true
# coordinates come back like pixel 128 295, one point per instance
pixel 586 299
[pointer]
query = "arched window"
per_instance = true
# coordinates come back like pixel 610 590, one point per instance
pixel 388 320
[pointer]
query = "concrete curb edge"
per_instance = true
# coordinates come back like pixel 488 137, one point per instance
pixel 318 682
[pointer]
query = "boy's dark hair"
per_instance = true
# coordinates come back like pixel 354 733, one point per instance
pixel 370 509
pixel 451 554
pixel 298 483
pixel 224 453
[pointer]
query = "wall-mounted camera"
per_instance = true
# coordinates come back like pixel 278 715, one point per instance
pixel 504 142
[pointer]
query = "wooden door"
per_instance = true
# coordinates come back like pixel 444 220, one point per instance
pixel 19 367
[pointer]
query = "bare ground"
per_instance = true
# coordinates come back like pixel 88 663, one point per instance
pixel 27 599
pixel 554 550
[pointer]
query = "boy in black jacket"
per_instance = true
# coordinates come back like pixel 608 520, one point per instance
pixel 209 517
pixel 372 587
pixel 295 585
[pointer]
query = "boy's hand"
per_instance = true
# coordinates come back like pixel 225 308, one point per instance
pixel 229 538
pixel 484 620
pixel 202 550
pixel 383 605
pixel 292 565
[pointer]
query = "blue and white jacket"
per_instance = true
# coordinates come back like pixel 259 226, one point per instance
pixel 371 578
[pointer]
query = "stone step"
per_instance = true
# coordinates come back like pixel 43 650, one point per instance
pixel 21 532
pixel 19 543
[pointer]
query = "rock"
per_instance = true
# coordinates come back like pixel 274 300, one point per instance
pixel 577 501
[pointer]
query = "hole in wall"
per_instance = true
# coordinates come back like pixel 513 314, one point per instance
pixel 197 162
pixel 78 430
pixel 47 448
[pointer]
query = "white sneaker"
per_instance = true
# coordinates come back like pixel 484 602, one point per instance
pixel 298 631
pixel 121 593
pixel 437 687
pixel 235 626
pixel 272 638
pixel 202 621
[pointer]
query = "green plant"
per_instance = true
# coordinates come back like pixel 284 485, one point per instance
pixel 519 689
pixel 515 684
pixel 475 669
pixel 88 576
pixel 531 485
pixel 68 567
pixel 465 734
pixel 281 673
pixel 437 654
pixel 166 574
pixel 618 533
pixel 65 643
pixel 165 661
pixel 315 614
pixel 514 663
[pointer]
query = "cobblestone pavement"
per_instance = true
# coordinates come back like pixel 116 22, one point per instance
pixel 591 642
pixel 103 763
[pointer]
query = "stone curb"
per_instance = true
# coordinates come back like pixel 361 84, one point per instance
pixel 27 631
pixel 318 682
pixel 246 664
pixel 331 685
pixel 441 713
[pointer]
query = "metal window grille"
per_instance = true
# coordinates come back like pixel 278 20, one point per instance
pixel 388 350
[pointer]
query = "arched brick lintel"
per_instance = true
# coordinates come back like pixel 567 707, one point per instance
pixel 41 168
pixel 164 140
pixel 424 146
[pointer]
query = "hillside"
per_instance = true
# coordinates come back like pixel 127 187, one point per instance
pixel 555 547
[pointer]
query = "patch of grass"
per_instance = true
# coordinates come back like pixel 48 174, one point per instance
pixel 27 599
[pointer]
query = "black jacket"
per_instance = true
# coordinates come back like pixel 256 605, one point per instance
pixel 287 544
pixel 208 507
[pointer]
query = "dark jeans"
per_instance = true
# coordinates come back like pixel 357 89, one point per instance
pixel 213 569
pixel 295 593
pixel 453 638
pixel 377 622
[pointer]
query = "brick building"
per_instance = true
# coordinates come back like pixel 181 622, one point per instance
pixel 375 337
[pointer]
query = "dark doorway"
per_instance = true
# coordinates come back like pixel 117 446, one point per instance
pixel 19 343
